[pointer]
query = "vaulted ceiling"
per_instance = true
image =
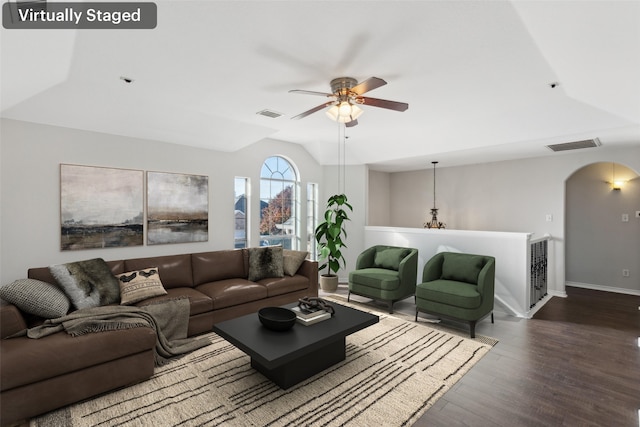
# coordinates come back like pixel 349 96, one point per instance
pixel 477 76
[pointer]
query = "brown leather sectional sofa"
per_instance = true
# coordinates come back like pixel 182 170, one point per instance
pixel 40 375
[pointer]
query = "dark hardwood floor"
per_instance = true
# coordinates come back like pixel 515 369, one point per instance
pixel 576 363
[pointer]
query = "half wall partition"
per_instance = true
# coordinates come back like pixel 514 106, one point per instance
pixel 518 263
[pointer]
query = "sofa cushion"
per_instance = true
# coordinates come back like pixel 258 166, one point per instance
pixel 458 294
pixel 175 270
pixel 230 292
pixel 88 283
pixel 199 303
pixel 265 262
pixel 292 260
pixel 36 297
pixel 139 285
pixel 390 258
pixel 379 278
pixel 25 360
pixel 284 285
pixel 462 267
pixel 217 265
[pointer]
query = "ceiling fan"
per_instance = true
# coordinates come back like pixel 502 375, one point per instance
pixel 346 95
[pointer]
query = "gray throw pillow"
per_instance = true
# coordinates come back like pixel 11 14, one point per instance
pixel 35 297
pixel 293 260
pixel 265 262
pixel 87 283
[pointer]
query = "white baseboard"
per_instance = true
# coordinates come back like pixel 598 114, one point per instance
pixel 604 288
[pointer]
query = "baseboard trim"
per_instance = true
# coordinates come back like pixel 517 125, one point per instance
pixel 604 288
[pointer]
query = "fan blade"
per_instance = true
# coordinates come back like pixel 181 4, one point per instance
pixel 310 92
pixel 313 110
pixel 367 85
pixel 351 124
pixel 383 103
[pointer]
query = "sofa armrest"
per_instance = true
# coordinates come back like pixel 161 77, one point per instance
pixel 11 320
pixel 309 269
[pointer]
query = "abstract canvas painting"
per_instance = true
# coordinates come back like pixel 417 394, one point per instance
pixel 177 208
pixel 100 207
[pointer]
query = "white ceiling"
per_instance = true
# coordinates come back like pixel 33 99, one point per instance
pixel 476 75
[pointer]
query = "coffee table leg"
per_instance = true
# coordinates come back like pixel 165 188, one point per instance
pixel 305 366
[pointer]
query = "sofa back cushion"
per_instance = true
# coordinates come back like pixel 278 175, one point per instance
pixel 175 270
pixel 218 265
pixel 462 267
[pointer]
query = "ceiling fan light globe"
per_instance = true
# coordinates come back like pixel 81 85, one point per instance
pixel 345 109
pixel 333 113
pixel 355 112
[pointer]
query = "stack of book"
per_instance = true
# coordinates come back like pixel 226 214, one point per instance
pixel 309 316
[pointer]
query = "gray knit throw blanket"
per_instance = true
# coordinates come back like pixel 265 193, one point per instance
pixel 169 319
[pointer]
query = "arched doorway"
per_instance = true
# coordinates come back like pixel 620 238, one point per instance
pixel 602 233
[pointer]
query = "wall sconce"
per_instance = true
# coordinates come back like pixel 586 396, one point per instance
pixel 616 184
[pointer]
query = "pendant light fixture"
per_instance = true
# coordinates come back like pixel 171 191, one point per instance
pixel 434 223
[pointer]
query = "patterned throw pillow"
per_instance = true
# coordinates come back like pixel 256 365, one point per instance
pixel 265 262
pixel 87 283
pixel 36 297
pixel 139 285
pixel 293 260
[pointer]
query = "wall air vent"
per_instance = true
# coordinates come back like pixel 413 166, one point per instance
pixel 269 113
pixel 576 145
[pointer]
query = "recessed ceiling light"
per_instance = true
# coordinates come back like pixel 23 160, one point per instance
pixel 126 79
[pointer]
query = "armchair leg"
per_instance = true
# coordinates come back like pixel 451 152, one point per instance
pixel 472 328
pixel 348 296
pixel 492 317
pixel 390 303
pixel 416 315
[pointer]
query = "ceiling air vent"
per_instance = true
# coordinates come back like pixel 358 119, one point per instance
pixel 576 145
pixel 269 113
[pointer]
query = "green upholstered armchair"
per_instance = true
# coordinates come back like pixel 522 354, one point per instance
pixel 458 286
pixel 386 273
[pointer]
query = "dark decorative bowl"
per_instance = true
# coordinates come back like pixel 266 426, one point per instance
pixel 277 318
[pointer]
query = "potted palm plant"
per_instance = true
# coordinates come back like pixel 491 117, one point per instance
pixel 329 236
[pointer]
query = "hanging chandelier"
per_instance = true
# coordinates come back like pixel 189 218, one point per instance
pixel 434 223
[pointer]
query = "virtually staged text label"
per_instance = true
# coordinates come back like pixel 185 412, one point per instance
pixel 28 15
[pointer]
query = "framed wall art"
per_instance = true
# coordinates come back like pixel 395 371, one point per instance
pixel 100 207
pixel 177 208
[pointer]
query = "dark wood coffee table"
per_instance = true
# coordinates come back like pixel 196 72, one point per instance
pixel 289 357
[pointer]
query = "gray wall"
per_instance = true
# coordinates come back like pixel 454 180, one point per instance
pixel 30 188
pixel 508 196
pixel 599 244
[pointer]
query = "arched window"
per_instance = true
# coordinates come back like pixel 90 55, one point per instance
pixel 279 203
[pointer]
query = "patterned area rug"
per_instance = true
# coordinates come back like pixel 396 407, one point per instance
pixel 394 371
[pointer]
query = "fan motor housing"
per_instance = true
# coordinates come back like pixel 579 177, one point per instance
pixel 342 84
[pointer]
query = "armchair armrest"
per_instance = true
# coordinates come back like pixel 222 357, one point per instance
pixel 486 277
pixel 408 269
pixel 433 268
pixel 366 258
